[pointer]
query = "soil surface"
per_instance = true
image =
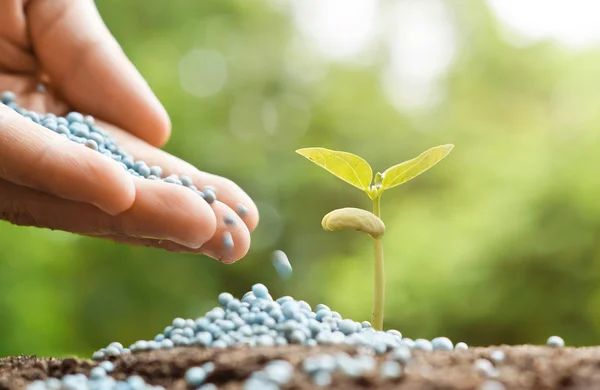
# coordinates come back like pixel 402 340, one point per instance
pixel 524 367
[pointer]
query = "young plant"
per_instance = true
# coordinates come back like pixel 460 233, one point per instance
pixel 354 170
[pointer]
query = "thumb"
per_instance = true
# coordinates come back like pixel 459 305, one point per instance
pixel 88 67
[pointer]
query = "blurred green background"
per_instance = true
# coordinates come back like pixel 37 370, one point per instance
pixel 499 243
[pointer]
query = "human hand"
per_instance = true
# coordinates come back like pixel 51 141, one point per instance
pixel 48 181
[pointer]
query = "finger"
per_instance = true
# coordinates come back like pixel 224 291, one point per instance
pixel 33 156
pixel 227 191
pixel 213 248
pixel 161 211
pixel 93 74
pixel 231 240
pixel 15 56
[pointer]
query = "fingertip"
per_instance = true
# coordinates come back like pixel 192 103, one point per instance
pixel 251 215
pixel 198 222
pixel 231 241
pixel 241 241
pixel 235 197
pixel 119 195
pixel 149 120
pixel 239 255
pixel 161 123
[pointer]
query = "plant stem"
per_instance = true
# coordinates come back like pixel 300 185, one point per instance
pixel 379 287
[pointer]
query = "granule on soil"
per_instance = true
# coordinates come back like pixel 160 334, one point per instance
pixel 323 357
pixel 525 367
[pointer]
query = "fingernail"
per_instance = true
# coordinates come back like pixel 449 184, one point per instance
pixel 187 244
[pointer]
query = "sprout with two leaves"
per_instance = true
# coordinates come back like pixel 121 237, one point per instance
pixel 357 172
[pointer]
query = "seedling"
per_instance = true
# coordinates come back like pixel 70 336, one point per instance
pixel 355 171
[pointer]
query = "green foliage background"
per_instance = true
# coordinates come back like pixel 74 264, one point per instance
pixel 499 243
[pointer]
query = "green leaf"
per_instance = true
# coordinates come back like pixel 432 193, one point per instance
pixel 403 172
pixel 347 166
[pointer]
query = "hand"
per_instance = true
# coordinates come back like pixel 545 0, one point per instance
pixel 48 181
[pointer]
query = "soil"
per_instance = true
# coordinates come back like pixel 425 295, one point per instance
pixel 524 367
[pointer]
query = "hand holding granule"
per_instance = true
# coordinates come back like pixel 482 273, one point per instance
pixel 48 179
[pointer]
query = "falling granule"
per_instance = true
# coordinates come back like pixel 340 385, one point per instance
pixel 282 264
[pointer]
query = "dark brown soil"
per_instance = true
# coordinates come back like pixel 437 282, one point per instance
pixel 524 367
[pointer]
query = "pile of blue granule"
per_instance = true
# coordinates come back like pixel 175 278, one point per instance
pixel 258 320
